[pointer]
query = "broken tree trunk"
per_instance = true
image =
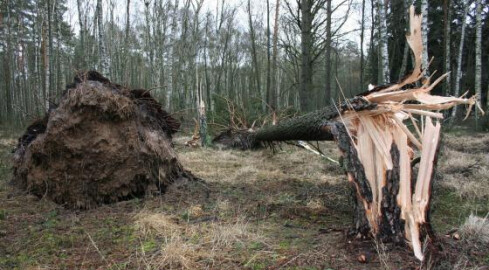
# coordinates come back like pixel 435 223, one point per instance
pixel 392 198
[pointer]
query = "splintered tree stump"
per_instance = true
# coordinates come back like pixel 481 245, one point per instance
pixel 392 197
pixel 103 143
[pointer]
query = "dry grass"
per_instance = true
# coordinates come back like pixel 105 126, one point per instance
pixel 190 246
pixel 155 223
pixel 476 230
pixel 240 224
pixel 256 210
pixel 464 165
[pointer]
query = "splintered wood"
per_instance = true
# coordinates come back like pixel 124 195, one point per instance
pixel 385 146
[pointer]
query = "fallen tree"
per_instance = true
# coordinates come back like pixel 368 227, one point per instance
pixel 392 196
pixel 103 143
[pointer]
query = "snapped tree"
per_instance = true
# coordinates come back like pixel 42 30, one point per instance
pixel 392 195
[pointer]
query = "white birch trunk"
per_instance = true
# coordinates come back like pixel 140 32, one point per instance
pixel 456 90
pixel 171 55
pixel 424 35
pixel 384 52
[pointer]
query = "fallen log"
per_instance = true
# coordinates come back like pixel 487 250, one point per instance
pixel 392 197
pixel 103 143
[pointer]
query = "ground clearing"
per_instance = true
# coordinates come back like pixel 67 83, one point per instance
pixel 256 210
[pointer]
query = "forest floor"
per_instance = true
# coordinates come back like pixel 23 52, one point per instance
pixel 282 209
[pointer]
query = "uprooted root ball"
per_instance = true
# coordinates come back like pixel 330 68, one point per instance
pixel 104 143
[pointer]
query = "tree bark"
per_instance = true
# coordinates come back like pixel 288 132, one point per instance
pixel 327 92
pixel 456 90
pixel 274 84
pixel 125 61
pixel 50 54
pixel 362 35
pixel 46 63
pixel 7 66
pixel 405 54
pixel 82 33
pixel 478 62
pixel 306 57
pixel 172 75
pixel 254 53
pixel 383 42
pixel 446 53
pixel 372 34
pixel 103 60
pixel 424 30
pixel 313 126
pixel 269 93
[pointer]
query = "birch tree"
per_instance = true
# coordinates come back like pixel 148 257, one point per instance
pixel 424 29
pixel 456 91
pixel 172 75
pixel 383 43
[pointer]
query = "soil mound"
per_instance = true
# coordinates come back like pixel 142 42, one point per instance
pixel 103 143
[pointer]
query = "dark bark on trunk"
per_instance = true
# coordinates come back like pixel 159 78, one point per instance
pixel 390 224
pixel 314 126
pixel 306 88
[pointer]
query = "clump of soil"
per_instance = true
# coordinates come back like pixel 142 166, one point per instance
pixel 103 143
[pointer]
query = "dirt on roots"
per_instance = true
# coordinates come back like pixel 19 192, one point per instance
pixel 103 143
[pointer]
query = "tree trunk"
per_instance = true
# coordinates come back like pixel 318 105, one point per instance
pixel 7 63
pixel 82 34
pixel 456 90
pixel 254 53
pixel 447 14
pixel 47 68
pixel 383 42
pixel 327 90
pixel 269 93
pixel 103 60
pixel 50 55
pixel 478 62
pixel 362 35
pixel 125 61
pixel 172 75
pixel 424 29
pixel 306 57
pixel 274 84
pixel 405 54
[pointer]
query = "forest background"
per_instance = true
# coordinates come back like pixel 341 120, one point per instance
pixel 288 56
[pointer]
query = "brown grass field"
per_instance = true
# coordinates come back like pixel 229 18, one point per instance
pixel 265 209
